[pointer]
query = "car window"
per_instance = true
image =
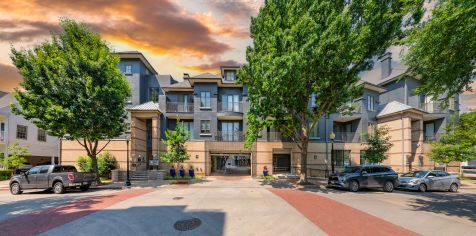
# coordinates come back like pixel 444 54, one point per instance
pixel 69 169
pixel 441 174
pixel 376 169
pixel 44 169
pixel 418 174
pixel 34 170
pixel 431 174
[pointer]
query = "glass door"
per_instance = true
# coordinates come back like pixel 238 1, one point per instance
pixel 230 130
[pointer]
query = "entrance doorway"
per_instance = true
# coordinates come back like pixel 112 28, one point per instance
pixel 281 163
pixel 231 164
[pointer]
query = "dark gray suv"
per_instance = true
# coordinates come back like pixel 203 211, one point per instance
pixel 371 176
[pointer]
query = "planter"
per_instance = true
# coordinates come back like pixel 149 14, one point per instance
pixel 182 181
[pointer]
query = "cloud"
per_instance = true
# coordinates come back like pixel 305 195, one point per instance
pixel 9 77
pixel 242 9
pixel 213 66
pixel 159 26
pixel 222 29
pixel 25 31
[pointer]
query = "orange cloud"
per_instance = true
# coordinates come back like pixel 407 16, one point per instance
pixel 9 77
pixel 212 67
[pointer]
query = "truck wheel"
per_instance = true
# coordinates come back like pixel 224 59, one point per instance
pixel 354 186
pixel 15 189
pixel 58 188
pixel 388 187
pixel 84 188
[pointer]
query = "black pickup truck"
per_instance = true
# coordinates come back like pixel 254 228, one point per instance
pixel 55 177
pixel 371 176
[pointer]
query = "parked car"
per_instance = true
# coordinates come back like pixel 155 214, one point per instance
pixel 55 177
pixel 372 176
pixel 424 180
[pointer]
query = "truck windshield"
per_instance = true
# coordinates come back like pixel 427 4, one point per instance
pixel 417 174
pixel 352 169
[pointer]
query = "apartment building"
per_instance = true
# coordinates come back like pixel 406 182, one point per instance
pixel 213 109
pixel 44 148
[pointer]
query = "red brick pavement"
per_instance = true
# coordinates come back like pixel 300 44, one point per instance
pixel 335 218
pixel 36 223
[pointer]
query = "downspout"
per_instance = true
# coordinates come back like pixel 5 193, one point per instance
pixel 325 138
pixel 403 145
pixel 406 93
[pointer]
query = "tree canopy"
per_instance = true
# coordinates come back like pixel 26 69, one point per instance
pixel 378 143
pixel 175 141
pixel 306 47
pixel 72 86
pixel 16 157
pixel 442 50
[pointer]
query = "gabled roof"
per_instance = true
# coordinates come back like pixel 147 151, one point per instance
pixel 395 107
pixel 148 106
pixel 206 76
pixel 183 84
pixel 137 55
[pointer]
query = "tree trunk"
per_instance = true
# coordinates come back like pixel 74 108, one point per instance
pixel 303 177
pixel 94 161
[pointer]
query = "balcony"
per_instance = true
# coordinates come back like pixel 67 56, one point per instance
pixel 346 137
pixel 230 136
pixel 432 107
pixel 230 111
pixel 180 107
pixel 276 137
pixel 356 113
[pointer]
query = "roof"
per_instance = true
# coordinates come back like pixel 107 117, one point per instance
pixel 395 107
pixel 137 55
pixel 206 76
pixel 370 86
pixel 148 106
pixel 183 84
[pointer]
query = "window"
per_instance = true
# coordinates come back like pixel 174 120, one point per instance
pixel 230 75
pixel 128 70
pixel 205 127
pixel 429 131
pixel 370 103
pixel 2 131
pixel 441 174
pixel 34 170
pixel 341 157
pixel 230 103
pixel 44 169
pixel 59 169
pixel 188 125
pixel 230 131
pixel 22 132
pixel 154 94
pixel 129 99
pixel 41 135
pixel 451 103
pixel 205 100
pixel 315 132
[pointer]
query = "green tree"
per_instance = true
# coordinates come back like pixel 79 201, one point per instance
pixel 73 87
pixel 442 50
pixel 175 141
pixel 376 146
pixel 306 47
pixel 16 157
pixel 459 143
pixel 106 163
pixel 84 164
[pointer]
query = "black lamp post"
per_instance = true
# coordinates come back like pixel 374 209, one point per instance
pixel 128 180
pixel 332 136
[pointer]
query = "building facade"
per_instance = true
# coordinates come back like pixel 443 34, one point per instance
pixel 44 148
pixel 213 109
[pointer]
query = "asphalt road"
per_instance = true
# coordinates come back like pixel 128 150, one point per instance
pixel 239 207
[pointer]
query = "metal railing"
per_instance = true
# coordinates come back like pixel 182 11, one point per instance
pixel 179 107
pixel 276 136
pixel 230 107
pixel 230 136
pixel 432 107
pixel 2 136
pixel 344 136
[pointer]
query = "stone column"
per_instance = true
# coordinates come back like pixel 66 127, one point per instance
pixel 155 136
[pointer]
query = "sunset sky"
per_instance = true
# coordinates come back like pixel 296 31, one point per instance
pixel 176 36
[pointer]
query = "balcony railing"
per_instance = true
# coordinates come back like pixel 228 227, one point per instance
pixel 179 107
pixel 276 137
pixel 431 138
pixel 2 136
pixel 344 136
pixel 432 107
pixel 230 107
pixel 230 136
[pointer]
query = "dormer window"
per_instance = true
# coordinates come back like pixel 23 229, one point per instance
pixel 230 75
pixel 128 70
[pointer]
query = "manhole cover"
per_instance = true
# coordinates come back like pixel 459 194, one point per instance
pixel 186 225
pixel 177 198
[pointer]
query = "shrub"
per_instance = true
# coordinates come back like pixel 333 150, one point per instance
pixel 85 164
pixel 106 163
pixel 269 177
pixel 5 174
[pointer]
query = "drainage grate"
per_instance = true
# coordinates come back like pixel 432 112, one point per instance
pixel 177 198
pixel 188 224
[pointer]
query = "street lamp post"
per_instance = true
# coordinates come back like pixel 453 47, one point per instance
pixel 332 136
pixel 128 180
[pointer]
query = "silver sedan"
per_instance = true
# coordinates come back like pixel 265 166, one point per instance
pixel 424 180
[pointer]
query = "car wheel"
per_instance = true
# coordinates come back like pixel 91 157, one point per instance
pixel 453 188
pixel 84 188
pixel 422 188
pixel 15 189
pixel 354 186
pixel 58 188
pixel 388 187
